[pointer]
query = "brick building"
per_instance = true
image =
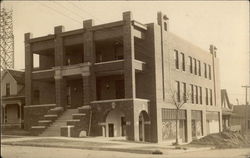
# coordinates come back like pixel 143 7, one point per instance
pixel 117 79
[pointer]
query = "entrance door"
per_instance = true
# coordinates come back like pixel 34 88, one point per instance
pixel 141 128
pixel 12 113
pixel 123 124
pixel 111 129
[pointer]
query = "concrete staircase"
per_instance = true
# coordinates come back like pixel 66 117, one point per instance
pixel 54 129
pixel 78 123
pixel 46 120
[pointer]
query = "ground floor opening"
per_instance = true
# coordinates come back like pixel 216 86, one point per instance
pixel 115 124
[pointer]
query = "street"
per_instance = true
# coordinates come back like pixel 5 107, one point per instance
pixel 43 152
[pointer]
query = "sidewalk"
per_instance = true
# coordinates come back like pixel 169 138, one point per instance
pixel 99 143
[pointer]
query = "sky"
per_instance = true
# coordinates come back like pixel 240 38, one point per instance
pixel 224 24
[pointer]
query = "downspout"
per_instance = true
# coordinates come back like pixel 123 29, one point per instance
pixel 90 120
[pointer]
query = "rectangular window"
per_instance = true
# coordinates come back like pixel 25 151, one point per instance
pixel 211 97
pixel 176 59
pixel 191 65
pixel 197 95
pixel 248 124
pixel 195 67
pixel 7 89
pixel 178 91
pixel 205 70
pixel 192 93
pixel 183 61
pixel 209 72
pixel 206 96
pixel 184 92
pixel 200 95
pixel 199 67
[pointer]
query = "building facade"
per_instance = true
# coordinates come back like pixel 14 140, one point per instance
pixel 13 98
pixel 121 77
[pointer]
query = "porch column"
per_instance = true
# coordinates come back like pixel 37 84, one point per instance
pixel 59 48
pixel 89 82
pixel 28 69
pixel 86 89
pixel 20 114
pixel 3 114
pixel 60 85
pixel 129 55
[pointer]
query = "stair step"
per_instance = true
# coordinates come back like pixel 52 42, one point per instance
pixel 75 120
pixel 60 121
pixel 78 116
pixel 44 121
pixel 50 115
pixel 72 122
pixel 38 127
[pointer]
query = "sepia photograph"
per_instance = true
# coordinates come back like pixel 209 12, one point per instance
pixel 125 79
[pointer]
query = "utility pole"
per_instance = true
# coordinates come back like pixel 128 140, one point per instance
pixel 246 109
pixel 6 39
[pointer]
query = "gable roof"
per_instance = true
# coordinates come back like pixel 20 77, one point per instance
pixel 18 75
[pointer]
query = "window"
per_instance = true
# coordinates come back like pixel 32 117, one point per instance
pixel 183 61
pixel 199 67
pixel 248 124
pixel 7 89
pixel 200 95
pixel 211 97
pixel 191 65
pixel 195 67
pixel 192 93
pixel 197 96
pixel 206 96
pixel 184 92
pixel 205 70
pixel 209 72
pixel 178 91
pixel 176 59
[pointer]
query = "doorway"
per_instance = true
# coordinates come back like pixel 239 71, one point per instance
pixel 115 124
pixel 144 126
pixel 111 129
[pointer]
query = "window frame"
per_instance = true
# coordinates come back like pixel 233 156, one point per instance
pixel 183 61
pixel 190 64
pixel 7 89
pixel 176 59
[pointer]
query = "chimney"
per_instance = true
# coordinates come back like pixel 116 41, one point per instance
pixel 162 20
pixel 213 50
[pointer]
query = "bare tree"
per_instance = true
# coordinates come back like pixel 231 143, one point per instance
pixel 178 101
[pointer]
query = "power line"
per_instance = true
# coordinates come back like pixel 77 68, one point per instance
pixel 68 9
pixel 60 13
pixel 82 10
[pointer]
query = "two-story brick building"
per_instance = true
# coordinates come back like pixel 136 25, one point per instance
pixel 117 79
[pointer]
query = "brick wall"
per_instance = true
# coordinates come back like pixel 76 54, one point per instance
pixel 34 113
